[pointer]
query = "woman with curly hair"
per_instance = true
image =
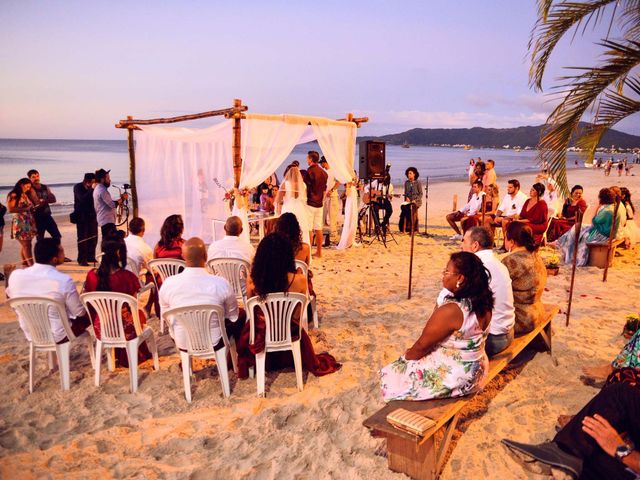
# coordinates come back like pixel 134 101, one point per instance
pixel 170 243
pixel 448 360
pixel 23 224
pixel 274 270
pixel 412 201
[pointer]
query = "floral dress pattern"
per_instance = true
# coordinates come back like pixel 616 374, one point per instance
pixel 629 356
pixel 23 225
pixel 454 368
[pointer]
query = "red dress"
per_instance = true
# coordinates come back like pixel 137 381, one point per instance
pixel 122 281
pixel 560 226
pixel 172 251
pixel 538 215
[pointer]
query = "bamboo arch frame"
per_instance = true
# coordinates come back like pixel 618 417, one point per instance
pixel 236 113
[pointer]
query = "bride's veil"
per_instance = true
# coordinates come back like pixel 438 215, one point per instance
pixel 293 185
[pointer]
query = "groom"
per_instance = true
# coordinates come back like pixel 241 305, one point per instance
pixel 316 181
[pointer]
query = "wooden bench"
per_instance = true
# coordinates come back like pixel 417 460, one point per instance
pixel 598 253
pixel 418 457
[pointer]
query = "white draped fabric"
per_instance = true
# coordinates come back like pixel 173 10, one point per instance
pixel 177 168
pixel 175 172
pixel 350 226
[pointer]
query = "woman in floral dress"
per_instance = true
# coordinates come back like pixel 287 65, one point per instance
pixel 448 360
pixel 23 225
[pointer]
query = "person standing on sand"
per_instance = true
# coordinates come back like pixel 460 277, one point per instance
pixel 41 196
pixel 3 211
pixel 490 177
pixel 85 219
pixel 331 202
pixel 104 205
pixel 316 180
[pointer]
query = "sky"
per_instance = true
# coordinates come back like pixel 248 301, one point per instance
pixel 72 69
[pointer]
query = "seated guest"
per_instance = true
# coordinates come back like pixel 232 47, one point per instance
pixel 467 211
pixel 273 271
pixel 535 212
pixel 479 173
pixel 44 280
pixel 450 351
pixel 528 276
pixel 621 213
pixel 598 231
pixel 567 217
pixel 509 207
pixel 112 276
pixel 552 197
pixel 288 226
pixel 478 240
pixel 170 243
pixel 195 286
pixel 137 248
pixel 599 441
pixel 232 245
pixel 631 229
pixel 491 199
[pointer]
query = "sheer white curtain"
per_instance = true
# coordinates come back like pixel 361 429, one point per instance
pixel 176 172
pixel 337 141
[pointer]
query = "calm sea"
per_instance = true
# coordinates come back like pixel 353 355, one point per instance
pixel 62 163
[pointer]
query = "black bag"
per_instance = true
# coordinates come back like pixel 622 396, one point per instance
pixel 73 217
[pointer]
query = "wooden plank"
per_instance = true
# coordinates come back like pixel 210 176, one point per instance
pixel 417 461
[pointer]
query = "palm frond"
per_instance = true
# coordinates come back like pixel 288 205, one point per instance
pixel 582 91
pixel 629 20
pixel 553 22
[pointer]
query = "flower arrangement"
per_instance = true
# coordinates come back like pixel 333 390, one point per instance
pixel 552 261
pixel 631 325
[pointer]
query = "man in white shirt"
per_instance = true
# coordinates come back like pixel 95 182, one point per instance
pixel 137 249
pixel 331 201
pixel 380 195
pixel 510 206
pixel 232 245
pixel 195 286
pixel 44 280
pixel 469 210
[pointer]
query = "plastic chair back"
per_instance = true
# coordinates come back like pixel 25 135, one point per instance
pixel 233 270
pixel 305 271
pixel 166 267
pixel 196 320
pixel 108 306
pixel 278 310
pixel 35 313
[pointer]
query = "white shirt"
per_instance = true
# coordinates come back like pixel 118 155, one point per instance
pixel 552 200
pixel 231 247
pixel 472 207
pixel 386 190
pixel 42 280
pixel 195 286
pixel 138 251
pixel 510 206
pixel 503 315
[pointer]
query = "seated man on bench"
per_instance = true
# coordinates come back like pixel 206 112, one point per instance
pixel 468 212
pixel 509 207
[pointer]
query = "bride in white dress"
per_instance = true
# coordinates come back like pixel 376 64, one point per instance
pixel 292 198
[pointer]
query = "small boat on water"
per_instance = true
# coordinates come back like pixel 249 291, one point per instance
pixel 467 147
pixel 406 145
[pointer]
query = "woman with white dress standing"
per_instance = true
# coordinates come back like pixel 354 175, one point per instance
pixel 292 198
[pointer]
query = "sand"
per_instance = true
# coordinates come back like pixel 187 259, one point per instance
pixel 366 321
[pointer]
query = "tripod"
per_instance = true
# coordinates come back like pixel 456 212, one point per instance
pixel 371 215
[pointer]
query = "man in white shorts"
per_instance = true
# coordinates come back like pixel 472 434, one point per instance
pixel 316 181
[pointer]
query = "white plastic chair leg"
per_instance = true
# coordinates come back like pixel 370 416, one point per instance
pixel 234 354
pixel 186 374
pixel 223 371
pixel 297 361
pixel 260 367
pixel 132 353
pixel 51 359
pixel 92 353
pixel 111 359
pixel 63 362
pixel 32 365
pixel 98 362
pixel 315 312
pixel 151 342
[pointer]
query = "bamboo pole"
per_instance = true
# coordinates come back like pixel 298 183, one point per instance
pixel 611 235
pixel 426 207
pixel 413 236
pixel 132 169
pixel 578 229
pixel 182 118
pixel 484 207
pixel 237 161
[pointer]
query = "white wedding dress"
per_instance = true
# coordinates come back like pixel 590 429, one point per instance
pixel 295 201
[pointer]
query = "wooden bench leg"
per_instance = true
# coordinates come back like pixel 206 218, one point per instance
pixel 444 444
pixel 408 457
pixel 545 335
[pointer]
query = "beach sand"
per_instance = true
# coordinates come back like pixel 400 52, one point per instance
pixel 366 322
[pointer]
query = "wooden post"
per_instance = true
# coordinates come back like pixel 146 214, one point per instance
pixel 413 235
pixel 132 168
pixel 237 161
pixel 426 206
pixel 578 229
pixel 484 207
pixel 612 233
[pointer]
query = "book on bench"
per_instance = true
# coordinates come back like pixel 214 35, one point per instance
pixel 410 422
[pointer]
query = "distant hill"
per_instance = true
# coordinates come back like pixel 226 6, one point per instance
pixel 492 137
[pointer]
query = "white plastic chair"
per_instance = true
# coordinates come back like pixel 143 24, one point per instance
pixel 35 313
pixel 311 298
pixel 278 310
pixel 235 271
pixel 164 268
pixel 196 322
pixel 108 306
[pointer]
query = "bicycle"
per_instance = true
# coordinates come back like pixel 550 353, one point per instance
pixel 122 208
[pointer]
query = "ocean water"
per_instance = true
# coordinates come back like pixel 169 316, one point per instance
pixel 62 163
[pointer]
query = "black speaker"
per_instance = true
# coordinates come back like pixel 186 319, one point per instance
pixel 372 159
